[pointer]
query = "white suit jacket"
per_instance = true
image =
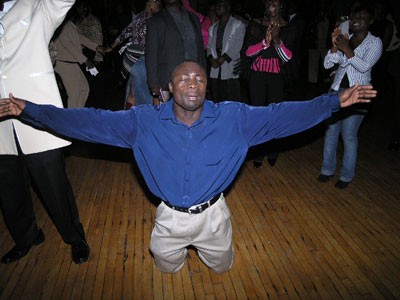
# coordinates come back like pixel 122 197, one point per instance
pixel 232 43
pixel 26 69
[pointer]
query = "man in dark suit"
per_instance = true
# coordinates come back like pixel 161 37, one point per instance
pixel 173 35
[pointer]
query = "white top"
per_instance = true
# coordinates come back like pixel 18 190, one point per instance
pixel 26 69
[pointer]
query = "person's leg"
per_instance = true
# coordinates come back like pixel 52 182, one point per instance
pixel 15 200
pixel 232 90
pixel 258 97
pixel 257 90
pixel 395 115
pixel 350 126
pixel 330 144
pixel 129 93
pixel 214 241
pixel 313 67
pixel 17 208
pixel 141 90
pixel 48 172
pixel 169 239
pixel 275 91
pixel 215 90
pixel 75 83
pixel 275 88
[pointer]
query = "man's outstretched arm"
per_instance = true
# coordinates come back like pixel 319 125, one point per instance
pixel 287 118
pixel 117 128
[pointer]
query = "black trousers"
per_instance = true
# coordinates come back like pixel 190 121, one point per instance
pixel 223 90
pixel 47 169
pixel 264 89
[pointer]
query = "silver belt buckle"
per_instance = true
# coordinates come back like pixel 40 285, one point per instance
pixel 199 208
pixel 193 210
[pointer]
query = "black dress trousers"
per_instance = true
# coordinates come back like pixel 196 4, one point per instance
pixel 47 170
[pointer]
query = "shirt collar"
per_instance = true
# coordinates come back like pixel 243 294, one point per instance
pixel 7 6
pixel 167 111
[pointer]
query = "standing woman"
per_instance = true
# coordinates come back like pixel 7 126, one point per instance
pixel 133 64
pixel 355 55
pixel 268 42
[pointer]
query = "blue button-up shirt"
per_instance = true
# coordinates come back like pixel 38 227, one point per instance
pixel 186 165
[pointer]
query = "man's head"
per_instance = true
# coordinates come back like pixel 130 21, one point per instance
pixel 222 8
pixel 188 84
pixel 153 6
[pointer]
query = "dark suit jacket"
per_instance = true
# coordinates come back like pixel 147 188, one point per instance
pixel 165 49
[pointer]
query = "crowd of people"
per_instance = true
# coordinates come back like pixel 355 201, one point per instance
pixel 195 70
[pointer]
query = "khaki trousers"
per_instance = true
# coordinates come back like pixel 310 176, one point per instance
pixel 210 232
pixel 75 83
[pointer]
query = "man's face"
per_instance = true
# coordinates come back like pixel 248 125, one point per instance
pixel 188 84
pixel 222 8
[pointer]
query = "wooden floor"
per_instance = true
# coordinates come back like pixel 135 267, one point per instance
pixel 294 238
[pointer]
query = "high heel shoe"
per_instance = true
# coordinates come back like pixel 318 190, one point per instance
pixel 272 161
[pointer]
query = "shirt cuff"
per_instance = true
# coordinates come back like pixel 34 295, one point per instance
pixel 30 110
pixel 265 44
pixel 333 100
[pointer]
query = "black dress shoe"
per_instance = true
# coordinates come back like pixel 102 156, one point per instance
pixel 18 252
pixel 80 252
pixel 257 164
pixel 324 178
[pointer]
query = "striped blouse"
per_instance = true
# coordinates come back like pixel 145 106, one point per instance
pixel 358 68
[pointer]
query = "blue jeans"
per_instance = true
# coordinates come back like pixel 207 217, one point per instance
pixel 138 79
pixel 347 126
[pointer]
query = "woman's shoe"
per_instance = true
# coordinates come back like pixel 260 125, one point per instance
pixel 272 161
pixel 257 164
pixel 342 184
pixel 324 178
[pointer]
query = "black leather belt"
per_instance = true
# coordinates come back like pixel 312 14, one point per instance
pixel 195 209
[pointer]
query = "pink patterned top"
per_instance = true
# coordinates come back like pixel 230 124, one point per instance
pixel 267 57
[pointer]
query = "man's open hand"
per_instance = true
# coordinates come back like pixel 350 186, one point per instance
pixel 357 94
pixel 11 106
